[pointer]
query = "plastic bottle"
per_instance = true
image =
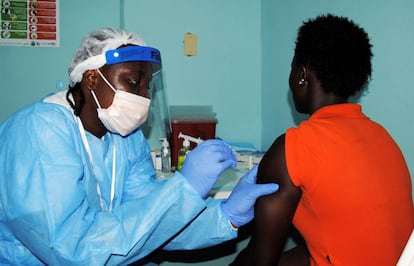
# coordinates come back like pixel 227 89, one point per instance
pixel 165 156
pixel 182 153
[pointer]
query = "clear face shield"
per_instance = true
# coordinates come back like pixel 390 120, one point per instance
pixel 158 124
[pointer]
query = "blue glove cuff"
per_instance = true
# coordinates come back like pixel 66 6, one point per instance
pixel 234 224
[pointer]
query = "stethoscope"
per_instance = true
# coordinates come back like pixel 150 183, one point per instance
pixel 88 151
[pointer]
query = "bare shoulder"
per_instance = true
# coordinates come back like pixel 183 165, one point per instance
pixel 274 213
pixel 273 169
pixel 273 165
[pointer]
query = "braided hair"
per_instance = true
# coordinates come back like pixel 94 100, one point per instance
pixel 76 90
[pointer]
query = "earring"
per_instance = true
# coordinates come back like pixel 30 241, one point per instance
pixel 301 82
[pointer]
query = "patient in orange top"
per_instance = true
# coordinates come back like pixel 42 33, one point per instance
pixel 344 183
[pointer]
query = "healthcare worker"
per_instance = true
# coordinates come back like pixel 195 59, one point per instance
pixel 77 183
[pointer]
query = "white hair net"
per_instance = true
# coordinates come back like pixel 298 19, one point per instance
pixel 91 52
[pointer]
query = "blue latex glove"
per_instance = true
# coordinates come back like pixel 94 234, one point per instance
pixel 204 164
pixel 239 207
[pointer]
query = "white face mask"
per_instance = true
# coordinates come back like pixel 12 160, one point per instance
pixel 127 112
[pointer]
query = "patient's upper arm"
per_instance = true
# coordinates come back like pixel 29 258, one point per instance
pixel 274 213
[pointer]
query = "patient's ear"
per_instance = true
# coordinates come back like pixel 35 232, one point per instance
pixel 303 75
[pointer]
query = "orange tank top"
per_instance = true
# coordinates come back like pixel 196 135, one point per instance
pixel 356 206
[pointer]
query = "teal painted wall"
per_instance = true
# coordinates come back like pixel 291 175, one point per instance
pixel 226 71
pixel 390 97
pixel 244 53
pixel 28 73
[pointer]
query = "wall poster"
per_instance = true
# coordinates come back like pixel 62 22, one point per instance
pixel 29 23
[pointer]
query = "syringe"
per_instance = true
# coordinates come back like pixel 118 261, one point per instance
pixel 190 138
pixel 240 159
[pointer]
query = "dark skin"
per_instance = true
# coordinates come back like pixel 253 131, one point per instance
pixel 132 77
pixel 274 213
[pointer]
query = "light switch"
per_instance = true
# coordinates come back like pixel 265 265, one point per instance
pixel 190 44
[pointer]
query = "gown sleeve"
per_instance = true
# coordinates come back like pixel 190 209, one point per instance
pixel 49 203
pixel 208 229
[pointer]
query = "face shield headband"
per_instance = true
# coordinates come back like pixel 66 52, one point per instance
pixel 135 53
pixel 116 56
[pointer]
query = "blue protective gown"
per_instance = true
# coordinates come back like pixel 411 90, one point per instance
pixel 50 211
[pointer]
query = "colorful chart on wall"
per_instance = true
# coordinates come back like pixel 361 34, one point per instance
pixel 29 23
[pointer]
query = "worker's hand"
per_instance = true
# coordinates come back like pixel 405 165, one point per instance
pixel 204 164
pixel 239 207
